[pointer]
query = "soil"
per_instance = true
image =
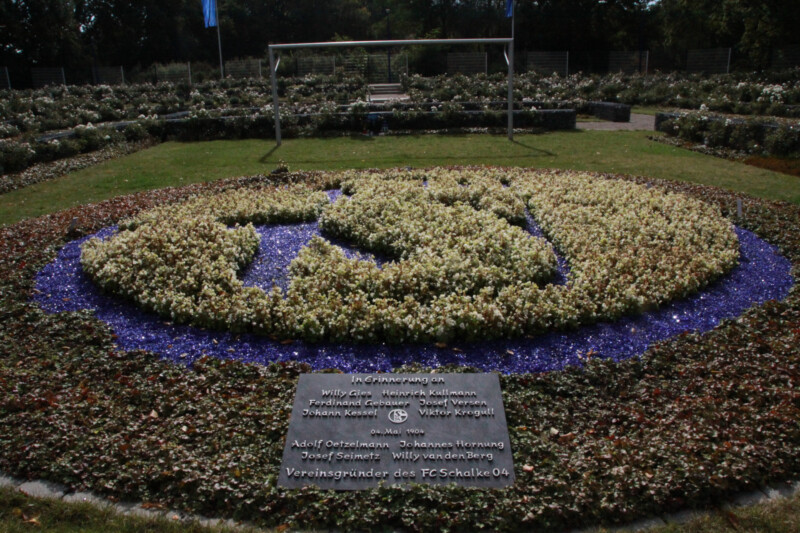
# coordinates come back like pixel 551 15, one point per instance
pixel 777 164
pixel 790 166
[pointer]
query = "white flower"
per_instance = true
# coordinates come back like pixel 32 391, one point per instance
pixel 461 267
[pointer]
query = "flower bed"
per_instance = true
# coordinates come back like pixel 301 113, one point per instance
pixel 775 93
pixel 314 105
pixel 462 270
pixel 62 107
pixel 695 418
pixel 762 275
pixel 59 107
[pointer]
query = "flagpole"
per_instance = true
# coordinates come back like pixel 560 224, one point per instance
pixel 511 78
pixel 219 42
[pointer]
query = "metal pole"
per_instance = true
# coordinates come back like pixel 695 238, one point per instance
pixel 511 79
pixel 122 74
pixel 395 42
pixel 640 21
pixel 275 107
pixel 219 42
pixel 342 44
pixel 388 50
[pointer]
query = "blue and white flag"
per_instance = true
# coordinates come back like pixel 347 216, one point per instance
pixel 210 12
pixel 509 8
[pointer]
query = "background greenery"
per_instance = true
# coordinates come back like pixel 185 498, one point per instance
pixel 137 33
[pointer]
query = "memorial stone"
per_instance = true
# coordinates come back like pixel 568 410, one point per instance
pixel 354 431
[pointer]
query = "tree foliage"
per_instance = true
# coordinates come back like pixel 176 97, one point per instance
pixel 140 32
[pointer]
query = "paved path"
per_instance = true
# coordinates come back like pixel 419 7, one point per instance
pixel 638 122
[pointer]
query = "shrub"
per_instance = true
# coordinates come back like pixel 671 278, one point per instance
pixel 718 134
pixel 783 141
pixel 15 156
pixel 753 136
pixel 745 136
pixel 135 132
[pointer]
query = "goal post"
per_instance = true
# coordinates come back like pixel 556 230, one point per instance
pixel 273 65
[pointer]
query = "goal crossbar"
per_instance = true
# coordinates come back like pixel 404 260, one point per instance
pixel 273 65
pixel 397 42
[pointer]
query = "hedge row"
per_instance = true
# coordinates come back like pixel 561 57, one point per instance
pixel 775 93
pixel 16 156
pixel 748 135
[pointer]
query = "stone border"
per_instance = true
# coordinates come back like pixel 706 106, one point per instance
pixel 49 490
pixel 638 122
pixel 611 111
pixel 55 491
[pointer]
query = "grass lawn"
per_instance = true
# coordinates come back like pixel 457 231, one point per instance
pixel 171 164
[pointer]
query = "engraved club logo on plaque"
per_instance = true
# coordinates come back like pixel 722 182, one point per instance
pixel 398 416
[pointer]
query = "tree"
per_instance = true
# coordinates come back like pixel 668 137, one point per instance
pixel 130 32
pixel 753 27
pixel 44 32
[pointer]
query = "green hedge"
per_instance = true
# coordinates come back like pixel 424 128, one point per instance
pixel 16 156
pixel 749 135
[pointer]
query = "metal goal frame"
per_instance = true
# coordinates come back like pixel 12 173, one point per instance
pixel 508 42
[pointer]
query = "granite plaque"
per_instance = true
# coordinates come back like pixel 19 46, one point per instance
pixel 354 431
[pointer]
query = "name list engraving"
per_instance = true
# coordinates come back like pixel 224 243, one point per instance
pixel 354 431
